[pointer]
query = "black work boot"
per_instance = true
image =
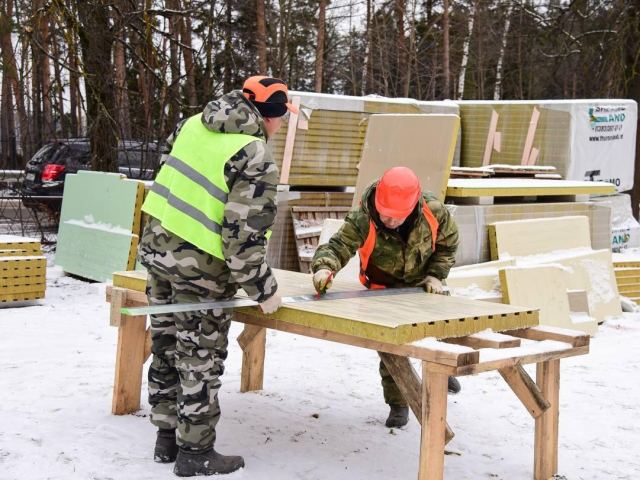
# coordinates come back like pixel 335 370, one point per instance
pixel 398 416
pixel 166 447
pixel 454 385
pixel 191 463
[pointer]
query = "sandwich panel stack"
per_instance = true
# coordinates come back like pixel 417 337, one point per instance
pixel 627 270
pixel 22 269
pixel 330 132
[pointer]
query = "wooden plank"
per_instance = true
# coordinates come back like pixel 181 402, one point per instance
pixel 542 235
pixel 129 362
pixel 533 125
pixel 476 341
pixel 493 125
pixel 424 143
pixel 320 209
pixel 572 337
pixel 543 287
pixel 118 302
pixel 410 385
pixel 147 345
pixel 546 430
pixel 253 343
pixel 434 421
pixel 289 142
pixel 525 389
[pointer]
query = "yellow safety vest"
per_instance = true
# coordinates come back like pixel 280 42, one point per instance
pixel 190 191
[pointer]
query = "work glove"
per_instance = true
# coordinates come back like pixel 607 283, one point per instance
pixel 272 304
pixel 321 280
pixel 432 285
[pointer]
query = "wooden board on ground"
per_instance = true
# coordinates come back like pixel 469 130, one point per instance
pixel 543 287
pixel 424 143
pixel 376 318
pixel 519 187
pixel 544 235
pixel 99 222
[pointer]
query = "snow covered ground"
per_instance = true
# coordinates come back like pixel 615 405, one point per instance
pixel 57 367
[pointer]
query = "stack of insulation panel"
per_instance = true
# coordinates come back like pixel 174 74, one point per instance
pixel 627 270
pixel 22 269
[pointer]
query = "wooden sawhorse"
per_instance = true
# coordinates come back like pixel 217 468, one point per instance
pixel 427 397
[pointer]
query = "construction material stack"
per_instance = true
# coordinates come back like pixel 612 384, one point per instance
pixel 22 269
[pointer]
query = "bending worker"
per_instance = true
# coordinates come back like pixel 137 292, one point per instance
pixel 405 237
pixel 210 209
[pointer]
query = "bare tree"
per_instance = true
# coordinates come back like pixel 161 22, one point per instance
pixel 320 45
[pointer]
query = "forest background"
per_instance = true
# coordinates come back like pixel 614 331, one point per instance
pixel 114 70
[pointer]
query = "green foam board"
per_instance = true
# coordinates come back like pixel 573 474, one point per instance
pixel 97 222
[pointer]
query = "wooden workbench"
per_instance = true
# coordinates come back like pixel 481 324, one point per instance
pixel 427 397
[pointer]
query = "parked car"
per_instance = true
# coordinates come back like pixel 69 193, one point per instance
pixel 47 169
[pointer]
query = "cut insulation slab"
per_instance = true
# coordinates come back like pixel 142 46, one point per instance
pixel 531 237
pixel 624 260
pixel 423 143
pixel 523 187
pixel 543 287
pixel 396 319
pixel 99 223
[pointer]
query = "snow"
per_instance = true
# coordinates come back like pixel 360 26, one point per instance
pixel 89 222
pixel 491 354
pixel 491 336
pixel 434 344
pixel 57 367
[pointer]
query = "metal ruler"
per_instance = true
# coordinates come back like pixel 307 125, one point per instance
pixel 245 302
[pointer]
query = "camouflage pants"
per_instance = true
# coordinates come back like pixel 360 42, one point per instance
pixel 189 350
pixel 392 394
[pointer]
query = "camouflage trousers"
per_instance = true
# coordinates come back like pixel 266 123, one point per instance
pixel 392 394
pixel 189 350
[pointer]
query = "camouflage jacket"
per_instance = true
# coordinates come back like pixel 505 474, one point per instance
pixel 393 262
pixel 252 178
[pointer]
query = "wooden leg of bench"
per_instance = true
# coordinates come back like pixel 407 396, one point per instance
pixel 410 385
pixel 252 341
pixel 434 422
pixel 130 359
pixel 546 439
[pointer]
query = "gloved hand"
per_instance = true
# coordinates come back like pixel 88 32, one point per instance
pixel 432 285
pixel 272 304
pixel 320 279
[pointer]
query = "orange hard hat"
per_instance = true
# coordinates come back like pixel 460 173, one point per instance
pixel 398 192
pixel 268 90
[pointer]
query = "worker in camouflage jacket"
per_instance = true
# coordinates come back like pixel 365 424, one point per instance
pixel 210 208
pixel 405 237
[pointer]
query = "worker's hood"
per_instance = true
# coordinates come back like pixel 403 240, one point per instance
pixel 368 198
pixel 233 113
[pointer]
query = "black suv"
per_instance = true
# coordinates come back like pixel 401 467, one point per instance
pixel 47 169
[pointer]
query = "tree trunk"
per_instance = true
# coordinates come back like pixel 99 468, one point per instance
pixel 96 40
pixel 412 40
pixel 64 130
pixel 465 52
pixel 174 65
pixel 189 64
pixel 228 48
pixel 320 46
pixel 368 86
pixel 262 38
pixel 122 93
pixel 497 92
pixel 402 46
pixel 445 31
pixel 480 88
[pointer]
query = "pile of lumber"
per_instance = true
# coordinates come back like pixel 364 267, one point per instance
pixel 510 171
pixel 547 264
pixel 22 269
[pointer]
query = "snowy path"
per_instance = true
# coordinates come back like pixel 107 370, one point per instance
pixel 57 360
